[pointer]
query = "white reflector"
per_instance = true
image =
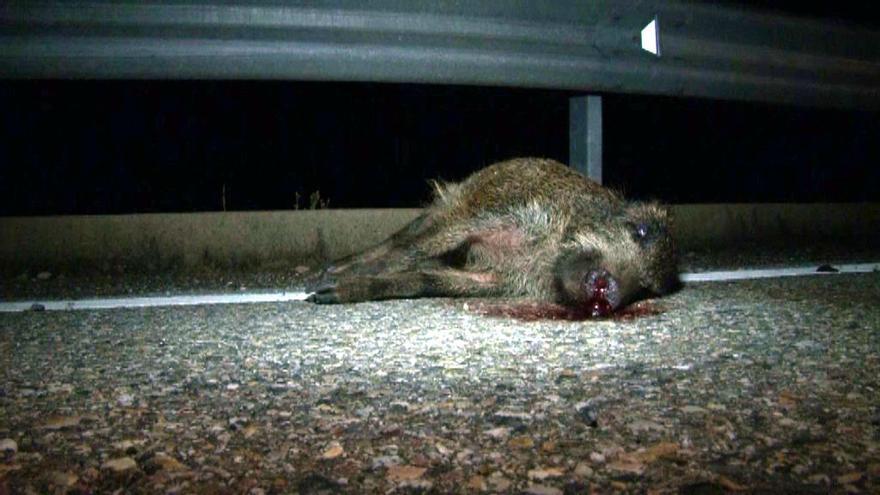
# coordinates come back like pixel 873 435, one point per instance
pixel 651 37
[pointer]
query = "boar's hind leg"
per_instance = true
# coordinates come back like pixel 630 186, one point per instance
pixel 406 285
pixel 393 254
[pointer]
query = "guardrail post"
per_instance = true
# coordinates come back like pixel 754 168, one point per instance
pixel 585 135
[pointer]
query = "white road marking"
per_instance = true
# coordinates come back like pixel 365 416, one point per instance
pixel 723 276
pixel 149 302
pixel 263 297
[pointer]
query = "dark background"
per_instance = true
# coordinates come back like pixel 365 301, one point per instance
pixel 75 147
pixel 101 147
pixel 853 12
pixel 94 147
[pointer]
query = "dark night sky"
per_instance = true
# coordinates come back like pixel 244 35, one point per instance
pixel 853 12
pixel 76 147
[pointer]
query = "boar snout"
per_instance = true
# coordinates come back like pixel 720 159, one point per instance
pixel 603 293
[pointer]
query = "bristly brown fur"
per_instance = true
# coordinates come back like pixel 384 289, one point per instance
pixel 529 227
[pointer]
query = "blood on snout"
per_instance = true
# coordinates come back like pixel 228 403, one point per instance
pixel 598 305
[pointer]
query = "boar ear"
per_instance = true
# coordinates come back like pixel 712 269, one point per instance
pixel 446 193
pixel 647 212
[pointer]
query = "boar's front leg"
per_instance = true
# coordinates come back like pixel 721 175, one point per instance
pixel 406 285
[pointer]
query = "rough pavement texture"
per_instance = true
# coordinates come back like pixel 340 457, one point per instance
pixel 752 387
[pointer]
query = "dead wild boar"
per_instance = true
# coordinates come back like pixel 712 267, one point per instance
pixel 526 227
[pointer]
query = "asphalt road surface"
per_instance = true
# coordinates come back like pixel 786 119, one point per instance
pixel 752 386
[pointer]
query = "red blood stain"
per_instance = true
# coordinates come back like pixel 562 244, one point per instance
pixel 598 305
pixel 532 311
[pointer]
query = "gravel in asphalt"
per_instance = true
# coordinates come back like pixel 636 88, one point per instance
pixel 750 386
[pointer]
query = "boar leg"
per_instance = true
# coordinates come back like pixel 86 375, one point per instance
pixel 417 246
pixel 390 255
pixel 405 285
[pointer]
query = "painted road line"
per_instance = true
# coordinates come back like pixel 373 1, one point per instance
pixel 266 297
pixel 150 302
pixel 801 271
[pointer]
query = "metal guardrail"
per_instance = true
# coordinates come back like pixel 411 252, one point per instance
pixel 707 51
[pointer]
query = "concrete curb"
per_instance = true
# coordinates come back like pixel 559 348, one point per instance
pixel 708 225
pixel 158 241
pixel 279 238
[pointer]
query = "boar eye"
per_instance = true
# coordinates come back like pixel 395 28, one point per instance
pixel 645 233
pixel 641 231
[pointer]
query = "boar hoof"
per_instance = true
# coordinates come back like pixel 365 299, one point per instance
pixel 324 293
